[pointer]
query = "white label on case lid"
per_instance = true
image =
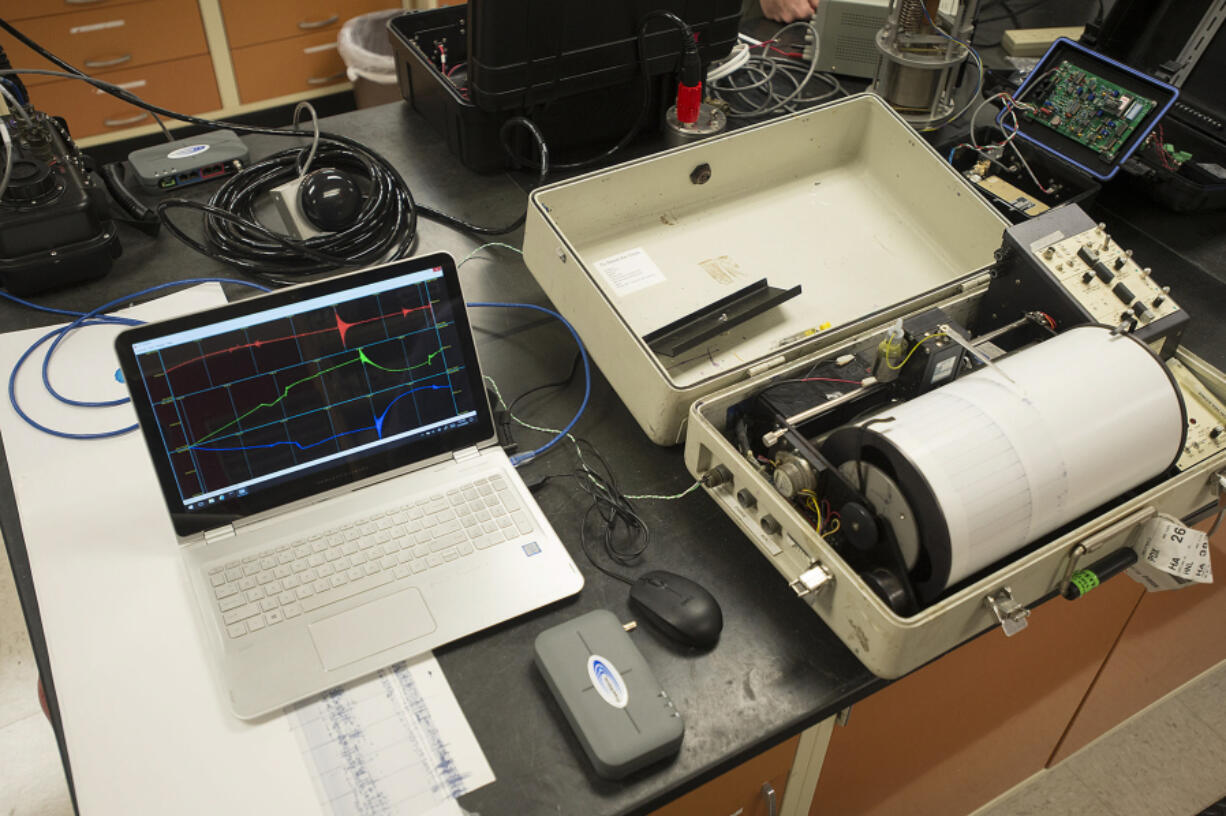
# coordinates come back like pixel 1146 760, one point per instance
pixel 630 271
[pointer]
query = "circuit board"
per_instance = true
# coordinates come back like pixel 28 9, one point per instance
pixel 1088 109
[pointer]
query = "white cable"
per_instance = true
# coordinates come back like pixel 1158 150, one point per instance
pixel 761 70
pixel 8 157
pixel 734 62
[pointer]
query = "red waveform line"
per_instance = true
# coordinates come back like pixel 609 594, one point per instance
pixel 341 328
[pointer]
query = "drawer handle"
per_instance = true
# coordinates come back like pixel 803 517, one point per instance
pixel 307 25
pixel 108 63
pixel 768 793
pixel 337 77
pixel 127 120
pixel 82 2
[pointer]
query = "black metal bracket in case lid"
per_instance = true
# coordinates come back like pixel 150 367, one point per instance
pixel 718 317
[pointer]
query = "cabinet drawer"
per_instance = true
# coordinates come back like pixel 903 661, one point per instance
pixel 286 67
pixel 248 23
pixel 14 10
pixel 186 85
pixel 108 39
pixel 740 792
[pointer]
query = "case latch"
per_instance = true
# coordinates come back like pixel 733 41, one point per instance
pixel 812 581
pixel 1011 614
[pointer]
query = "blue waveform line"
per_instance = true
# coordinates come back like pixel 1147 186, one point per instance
pixel 377 427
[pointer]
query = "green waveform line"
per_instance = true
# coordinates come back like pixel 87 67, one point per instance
pixel 361 358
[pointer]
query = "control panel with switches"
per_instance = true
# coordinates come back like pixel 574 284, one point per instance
pixel 1073 270
pixel 1206 417
pixel 1109 284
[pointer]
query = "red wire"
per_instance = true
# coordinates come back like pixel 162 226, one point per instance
pixel 1160 146
pixel 1049 320
pixel 794 54
pixel 768 44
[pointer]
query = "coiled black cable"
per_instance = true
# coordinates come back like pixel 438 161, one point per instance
pixel 386 226
pixel 236 238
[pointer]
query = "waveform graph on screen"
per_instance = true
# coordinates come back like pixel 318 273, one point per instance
pixel 276 395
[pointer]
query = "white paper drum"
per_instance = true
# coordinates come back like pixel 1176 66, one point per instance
pixel 990 463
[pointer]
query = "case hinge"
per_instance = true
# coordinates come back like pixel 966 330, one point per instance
pixel 1011 614
pixel 464 454
pixel 219 534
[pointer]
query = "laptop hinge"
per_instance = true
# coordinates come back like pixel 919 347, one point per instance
pixel 464 454
pixel 218 534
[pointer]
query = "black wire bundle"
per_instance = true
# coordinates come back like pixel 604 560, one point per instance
pixel 621 531
pixel 244 242
pixel 385 227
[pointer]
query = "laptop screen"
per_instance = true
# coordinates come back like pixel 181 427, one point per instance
pixel 274 399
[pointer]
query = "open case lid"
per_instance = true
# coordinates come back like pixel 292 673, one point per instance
pixel 845 201
pixel 1182 41
pixel 1091 111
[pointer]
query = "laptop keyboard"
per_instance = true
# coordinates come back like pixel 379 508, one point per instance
pixel 283 582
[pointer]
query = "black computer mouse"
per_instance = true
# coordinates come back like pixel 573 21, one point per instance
pixel 677 606
pixel 329 199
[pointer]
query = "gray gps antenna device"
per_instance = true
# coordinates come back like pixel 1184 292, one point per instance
pixel 622 717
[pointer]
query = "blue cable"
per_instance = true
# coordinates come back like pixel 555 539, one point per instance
pixel 14 90
pixel 523 458
pixel 94 317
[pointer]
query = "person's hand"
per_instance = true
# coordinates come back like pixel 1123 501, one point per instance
pixel 788 11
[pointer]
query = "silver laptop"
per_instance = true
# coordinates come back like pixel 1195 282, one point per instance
pixel 330 465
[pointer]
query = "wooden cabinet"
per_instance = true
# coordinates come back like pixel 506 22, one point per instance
pixel 186 85
pixel 743 791
pixel 14 10
pixel 98 40
pixel 248 23
pixel 288 66
pixel 216 58
pixel 967 727
pixel 1170 639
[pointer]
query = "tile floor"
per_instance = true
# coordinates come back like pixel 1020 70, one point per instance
pixel 1169 760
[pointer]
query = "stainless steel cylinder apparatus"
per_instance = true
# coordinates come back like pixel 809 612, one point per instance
pixel 922 48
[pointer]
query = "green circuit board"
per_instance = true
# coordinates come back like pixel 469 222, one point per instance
pixel 1087 109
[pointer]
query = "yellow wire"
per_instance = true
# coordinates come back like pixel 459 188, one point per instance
pixel 813 505
pixel 914 348
pixel 834 528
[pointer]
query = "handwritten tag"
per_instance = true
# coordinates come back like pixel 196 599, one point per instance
pixel 1171 555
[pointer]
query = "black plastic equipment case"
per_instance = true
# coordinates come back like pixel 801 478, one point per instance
pixel 529 52
pixel 55 226
pixel 1151 35
pixel 586 122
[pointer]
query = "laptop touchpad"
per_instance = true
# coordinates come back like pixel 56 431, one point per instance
pixel 371 628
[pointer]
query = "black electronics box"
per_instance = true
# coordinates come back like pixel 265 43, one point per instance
pixel 581 102
pixel 1184 43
